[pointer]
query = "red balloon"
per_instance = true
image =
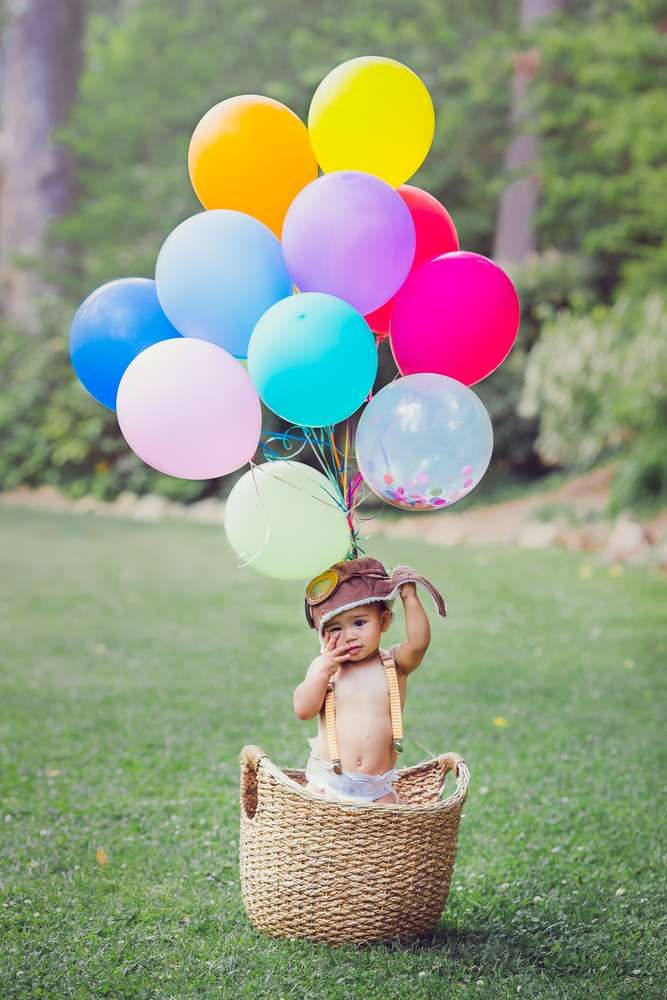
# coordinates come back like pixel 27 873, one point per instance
pixel 436 234
pixel 457 315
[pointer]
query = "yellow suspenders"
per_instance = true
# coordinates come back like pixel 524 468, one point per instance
pixel 394 708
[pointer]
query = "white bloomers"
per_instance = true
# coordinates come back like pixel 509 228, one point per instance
pixel 350 785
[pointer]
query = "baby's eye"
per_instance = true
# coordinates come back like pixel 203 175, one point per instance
pixel 359 622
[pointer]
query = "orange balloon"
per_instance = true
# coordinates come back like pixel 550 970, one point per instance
pixel 251 154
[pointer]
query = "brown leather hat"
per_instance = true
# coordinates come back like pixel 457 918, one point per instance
pixel 354 582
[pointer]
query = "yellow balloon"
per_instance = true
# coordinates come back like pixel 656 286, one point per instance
pixel 252 154
pixel 372 114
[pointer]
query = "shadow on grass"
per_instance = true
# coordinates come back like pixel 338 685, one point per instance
pixel 492 949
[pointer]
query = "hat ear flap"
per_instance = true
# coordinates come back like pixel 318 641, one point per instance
pixel 309 613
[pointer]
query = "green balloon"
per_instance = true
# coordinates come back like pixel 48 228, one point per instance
pixel 281 520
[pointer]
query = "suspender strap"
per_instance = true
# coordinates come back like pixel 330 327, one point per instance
pixel 389 664
pixel 330 722
pixel 394 709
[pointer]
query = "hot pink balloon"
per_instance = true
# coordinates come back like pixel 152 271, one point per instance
pixel 457 315
pixel 188 408
pixel 436 234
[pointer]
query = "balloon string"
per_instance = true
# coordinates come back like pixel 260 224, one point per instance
pixel 267 534
pixel 286 482
pixel 332 438
pixel 284 436
pixel 347 456
pixel 346 491
pixel 346 485
pixel 321 458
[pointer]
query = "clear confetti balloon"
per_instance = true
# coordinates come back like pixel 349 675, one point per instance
pixel 424 442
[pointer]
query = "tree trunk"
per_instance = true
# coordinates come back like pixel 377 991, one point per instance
pixel 515 228
pixel 43 50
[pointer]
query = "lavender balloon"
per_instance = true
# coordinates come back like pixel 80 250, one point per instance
pixel 351 235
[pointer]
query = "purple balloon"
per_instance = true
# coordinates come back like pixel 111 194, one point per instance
pixel 349 234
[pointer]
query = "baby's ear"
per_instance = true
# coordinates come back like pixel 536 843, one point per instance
pixel 386 618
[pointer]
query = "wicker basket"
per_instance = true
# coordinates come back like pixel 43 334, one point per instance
pixel 346 873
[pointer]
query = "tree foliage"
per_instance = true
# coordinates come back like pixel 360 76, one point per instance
pixel 598 381
pixel 598 105
pixel 150 78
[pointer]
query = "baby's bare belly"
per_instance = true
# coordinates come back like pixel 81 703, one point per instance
pixel 364 740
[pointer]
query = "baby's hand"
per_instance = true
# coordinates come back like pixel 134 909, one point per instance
pixel 408 589
pixel 334 652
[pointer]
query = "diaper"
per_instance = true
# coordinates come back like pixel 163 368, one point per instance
pixel 350 785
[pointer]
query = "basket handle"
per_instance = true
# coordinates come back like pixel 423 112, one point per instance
pixel 455 762
pixel 250 758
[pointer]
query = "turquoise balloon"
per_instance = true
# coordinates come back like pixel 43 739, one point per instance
pixel 313 359
pixel 217 273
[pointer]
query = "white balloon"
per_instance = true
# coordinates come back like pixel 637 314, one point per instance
pixel 281 519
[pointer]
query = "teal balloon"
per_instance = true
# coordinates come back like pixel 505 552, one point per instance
pixel 313 359
pixel 217 273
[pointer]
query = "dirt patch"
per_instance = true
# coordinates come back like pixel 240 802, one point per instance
pixel 512 522
pixel 502 523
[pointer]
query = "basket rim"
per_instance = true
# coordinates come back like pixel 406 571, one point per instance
pixel 254 757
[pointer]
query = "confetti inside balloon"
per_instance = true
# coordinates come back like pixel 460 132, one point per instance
pixel 424 442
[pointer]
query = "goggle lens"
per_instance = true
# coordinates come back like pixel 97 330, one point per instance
pixel 321 587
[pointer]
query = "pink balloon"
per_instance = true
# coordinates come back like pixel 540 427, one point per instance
pixel 188 408
pixel 457 315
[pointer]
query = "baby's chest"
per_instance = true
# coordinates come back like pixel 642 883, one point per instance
pixel 362 690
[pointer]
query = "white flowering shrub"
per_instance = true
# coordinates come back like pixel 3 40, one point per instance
pixel 598 381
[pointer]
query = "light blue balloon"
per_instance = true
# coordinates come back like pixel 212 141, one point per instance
pixel 313 359
pixel 111 327
pixel 217 273
pixel 424 442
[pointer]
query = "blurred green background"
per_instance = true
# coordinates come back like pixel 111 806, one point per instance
pixel 136 659
pixel 550 154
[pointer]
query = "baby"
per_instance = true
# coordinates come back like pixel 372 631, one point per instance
pixel 356 689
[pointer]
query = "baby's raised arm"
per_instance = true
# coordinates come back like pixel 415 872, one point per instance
pixel 410 653
pixel 308 697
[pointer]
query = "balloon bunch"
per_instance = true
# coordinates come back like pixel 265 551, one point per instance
pixel 303 275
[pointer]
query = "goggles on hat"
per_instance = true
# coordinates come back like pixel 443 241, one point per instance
pixel 321 587
pixel 353 582
pixel 325 584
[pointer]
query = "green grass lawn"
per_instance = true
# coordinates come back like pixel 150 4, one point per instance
pixel 137 660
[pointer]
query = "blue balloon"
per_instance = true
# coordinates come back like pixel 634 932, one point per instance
pixel 216 274
pixel 115 323
pixel 313 359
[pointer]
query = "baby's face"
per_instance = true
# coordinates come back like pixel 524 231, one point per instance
pixel 359 629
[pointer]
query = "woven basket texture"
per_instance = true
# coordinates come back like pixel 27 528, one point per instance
pixel 347 873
